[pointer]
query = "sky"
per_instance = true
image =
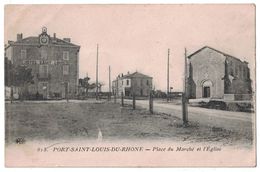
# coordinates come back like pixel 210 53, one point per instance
pixel 137 37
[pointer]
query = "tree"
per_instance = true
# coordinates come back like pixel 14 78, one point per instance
pixel 18 76
pixel 8 72
pixel 22 76
pixel 85 84
pixel 93 86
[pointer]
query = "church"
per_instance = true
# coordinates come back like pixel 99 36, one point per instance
pixel 213 74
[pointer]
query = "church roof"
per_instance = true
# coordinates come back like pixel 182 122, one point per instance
pixel 225 54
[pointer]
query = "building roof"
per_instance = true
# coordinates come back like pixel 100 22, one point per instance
pixel 225 54
pixel 33 40
pixel 136 75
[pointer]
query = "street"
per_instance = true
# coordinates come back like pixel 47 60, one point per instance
pixel 241 122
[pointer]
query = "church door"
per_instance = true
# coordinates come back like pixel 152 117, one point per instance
pixel 206 92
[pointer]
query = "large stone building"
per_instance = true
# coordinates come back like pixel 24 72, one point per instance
pixel 130 84
pixel 54 63
pixel 217 75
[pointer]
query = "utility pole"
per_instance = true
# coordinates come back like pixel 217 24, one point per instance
pixel 168 75
pixel 97 75
pixel 151 102
pixel 185 92
pixel 122 99
pixel 109 85
pixel 116 89
pixel 66 90
pixel 134 101
pixel 86 88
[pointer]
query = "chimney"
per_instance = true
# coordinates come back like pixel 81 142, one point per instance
pixel 122 75
pixel 54 37
pixel 66 39
pixel 10 42
pixel 128 72
pixel 19 36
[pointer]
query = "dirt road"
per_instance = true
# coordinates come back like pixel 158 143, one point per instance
pixel 241 122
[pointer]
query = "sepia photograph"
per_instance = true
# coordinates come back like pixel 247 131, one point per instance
pixel 130 85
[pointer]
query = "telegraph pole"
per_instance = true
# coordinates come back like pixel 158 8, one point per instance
pixel 97 75
pixel 109 85
pixel 87 86
pixel 185 92
pixel 168 75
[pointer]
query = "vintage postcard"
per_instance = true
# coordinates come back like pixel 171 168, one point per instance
pixel 130 85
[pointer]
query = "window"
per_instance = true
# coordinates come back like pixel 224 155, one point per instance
pixel 65 69
pixel 44 54
pixel 236 71
pixel 65 55
pixel 122 82
pixel 23 54
pixel 127 82
pixel 43 71
pixel 147 82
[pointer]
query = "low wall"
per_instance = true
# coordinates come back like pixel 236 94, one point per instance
pixel 243 96
pixel 231 97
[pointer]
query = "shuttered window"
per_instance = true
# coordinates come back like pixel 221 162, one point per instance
pixel 44 54
pixel 23 54
pixel 43 70
pixel 65 69
pixel 65 55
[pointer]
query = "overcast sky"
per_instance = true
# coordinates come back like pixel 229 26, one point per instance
pixel 136 37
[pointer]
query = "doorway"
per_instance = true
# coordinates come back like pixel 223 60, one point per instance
pixel 141 92
pixel 127 92
pixel 43 89
pixel 206 92
pixel 206 89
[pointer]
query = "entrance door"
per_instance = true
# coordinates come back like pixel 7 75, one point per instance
pixel 43 89
pixel 127 92
pixel 206 89
pixel 206 92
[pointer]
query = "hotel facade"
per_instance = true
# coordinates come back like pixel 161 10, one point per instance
pixel 54 63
